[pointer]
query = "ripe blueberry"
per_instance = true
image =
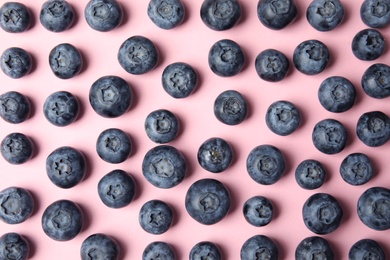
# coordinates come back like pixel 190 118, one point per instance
pixel 258 211
pixel 16 205
pixel 325 15
pixel 310 174
pixel 220 15
pixel 156 217
pixel 103 15
pixel 356 169
pixel 314 247
pixel 161 126
pixel 230 107
pixel 368 44
pixel 329 136
pixel 99 246
pixel 283 117
pixel 179 79
pixel 158 249
pixel 56 15
pixel 17 148
pixel 14 246
pixel 373 128
pixel 376 81
pixel 375 13
pixel 205 250
pixel 15 17
pixel 215 155
pixel 65 61
pixel 16 62
pixel 259 247
pixel 272 65
pixel 61 108
pixel 311 57
pixel 166 14
pixel 366 249
pixel 114 145
pixel 15 107
pixel 276 14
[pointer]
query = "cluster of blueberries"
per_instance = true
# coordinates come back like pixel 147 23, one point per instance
pixel 207 200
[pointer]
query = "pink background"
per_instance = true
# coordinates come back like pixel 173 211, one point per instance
pixel 190 42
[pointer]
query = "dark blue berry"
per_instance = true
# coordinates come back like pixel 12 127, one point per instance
pixel 276 14
pixel 356 169
pixel 116 189
pixel 230 107
pixel 272 65
pixel 16 205
pixel 103 15
pixel 311 57
pixel 258 211
pixel 17 148
pixel 373 128
pixel 226 58
pixel 158 250
pixel 161 126
pixel 114 145
pixel 310 174
pixel 179 79
pixel 325 15
pixel 61 108
pixel 15 17
pixel 368 44
pixel 156 217
pixel 166 14
pixel 65 61
pixel 376 81
pixel 207 201
pixel 329 136
pixel 14 246
pixel 366 249
pixel 314 247
pixel 66 167
pixel 99 246
pixel 215 155
pixel 283 117
pixel 220 15
pixel 164 166
pixel 375 13
pixel 56 15
pixel 259 247
pixel 16 62
pixel 322 213
pixel 15 107
pixel 205 250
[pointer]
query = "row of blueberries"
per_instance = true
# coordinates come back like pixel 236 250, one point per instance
pixel 219 15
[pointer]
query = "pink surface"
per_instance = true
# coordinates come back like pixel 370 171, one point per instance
pixel 190 42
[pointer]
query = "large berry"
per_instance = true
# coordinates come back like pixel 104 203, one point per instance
pixel 373 128
pixel 15 17
pixel 14 246
pixel 103 15
pixel 220 15
pixel 311 57
pixel 179 79
pixel 16 205
pixel 366 249
pixel 99 246
pixel 276 14
pixel 161 126
pixel 329 136
pixel 230 107
pixel 283 117
pixel 166 14
pixel 65 61
pixel 375 13
pixel 215 155
pixel 17 148
pixel 272 65
pixel 56 15
pixel 310 174
pixel 205 250
pixel 16 62
pixel 156 217
pixel 61 108
pixel 314 247
pixel 15 107
pixel 356 169
pixel 376 81
pixel 258 211
pixel 259 247
pixel 114 145
pixel 368 44
pixel 325 15
pixel 158 250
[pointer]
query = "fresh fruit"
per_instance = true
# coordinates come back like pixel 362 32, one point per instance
pixel 325 15
pixel 16 62
pixel 103 15
pixel 259 247
pixel 205 250
pixel 373 128
pixel 215 155
pixel 179 79
pixel 158 250
pixel 310 174
pixel 65 61
pixel 356 169
pixel 17 148
pixel 276 14
pixel 368 44
pixel 272 65
pixel 15 17
pixel 376 81
pixel 329 136
pixel 311 57
pixel 56 15
pixel 61 108
pixel 16 205
pixel 166 14
pixel 161 126
pixel 375 13
pixel 99 246
pixel 14 246
pixel 114 145
pixel 283 117
pixel 15 107
pixel 230 107
pixel 156 217
pixel 220 15
pixel 366 249
pixel 314 247
pixel 258 211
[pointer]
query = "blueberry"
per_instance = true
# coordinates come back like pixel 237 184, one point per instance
pixel 179 79
pixel 16 205
pixel 366 249
pixel 65 61
pixel 373 128
pixel 14 246
pixel 114 145
pixel 205 250
pixel 99 246
pixel 376 81
pixel 276 14
pixel 322 213
pixel 329 136
pixel 156 217
pixel 283 117
pixel 356 169
pixel 15 107
pixel 311 57
pixel 215 155
pixel 368 44
pixel 230 107
pixel 314 247
pixel 375 13
pixel 164 166
pixel 207 201
pixel 325 15
pixel 16 62
pixel 266 164
pixel 220 15
pixel 61 108
pixel 259 247
pixel 337 94
pixel 103 15
pixel 15 17
pixel 66 167
pixel 138 55
pixel 161 126
pixel 56 15
pixel 166 14
pixel 158 250
pixel 373 208
pixel 116 189
pixel 258 211
pixel 272 65
pixel 310 174
pixel 17 148
pixel 226 58
pixel 110 96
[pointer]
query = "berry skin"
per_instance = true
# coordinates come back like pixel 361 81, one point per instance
pixel 283 118
pixel 16 62
pixel 15 17
pixel 337 94
pixel 103 15
pixel 373 128
pixel 373 208
pixel 272 65
pixel 322 213
pixel 226 58
pixel 66 167
pixel 220 15
pixel 366 249
pixel 329 136
pixel 215 155
pixel 99 246
pixel 17 148
pixel 207 201
pixel 156 217
pixel 14 246
pixel 258 211
pixel 259 247
pixel 114 145
pixel 310 174
pixel 266 164
pixel 110 96
pixel 138 55
pixel 230 107
pixel 311 57
pixel 179 80
pixel 16 205
pixel 164 166
pixel 65 61
pixel 166 14
pixel 314 247
pixel 376 81
pixel 325 15
pixel 375 13
pixel 158 249
pixel 161 126
pixel 56 15
pixel 205 250
pixel 15 107
pixel 62 220
pixel 356 169
pixel 276 14
pixel 368 45
pixel 116 189
pixel 61 108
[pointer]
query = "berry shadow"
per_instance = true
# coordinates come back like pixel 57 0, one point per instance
pixel 134 145
pixel 376 167
pixel 347 210
pixel 161 55
pixel 33 108
pixel 281 248
pixel 33 63
pixel 245 10
pixel 88 164
pixel 177 252
pixel 81 108
pixel 32 246
pixel 186 15
pixel 125 15
pixel 134 99
pixel 37 204
pixel 85 61
pixel 200 81
pixel 122 247
pixel 76 17
pixel 336 251
pixel 87 213
pixel 234 203
pixel 36 147
pixel 138 186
